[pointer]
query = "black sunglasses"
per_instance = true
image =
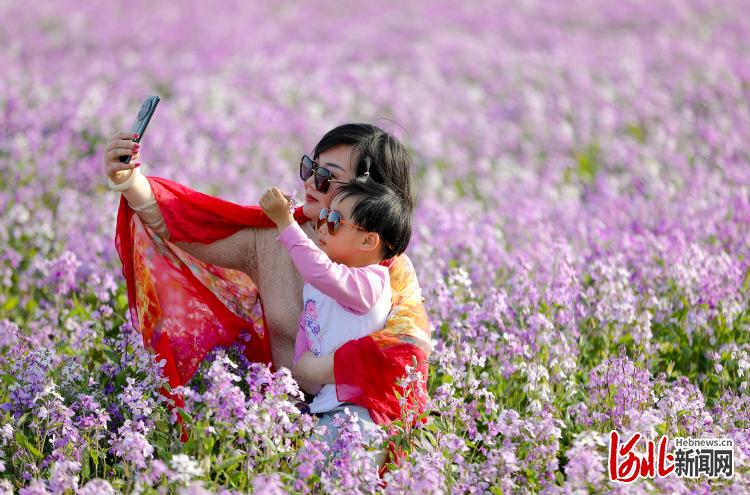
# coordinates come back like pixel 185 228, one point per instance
pixel 323 176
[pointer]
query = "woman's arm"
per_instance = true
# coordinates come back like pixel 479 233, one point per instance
pixel 139 193
pixel 236 251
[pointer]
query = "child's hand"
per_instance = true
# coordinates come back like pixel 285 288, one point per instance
pixel 276 206
pixel 315 369
pixel 301 373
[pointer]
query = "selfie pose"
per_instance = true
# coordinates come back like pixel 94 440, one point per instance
pixel 203 272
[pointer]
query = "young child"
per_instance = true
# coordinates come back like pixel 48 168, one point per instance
pixel 347 293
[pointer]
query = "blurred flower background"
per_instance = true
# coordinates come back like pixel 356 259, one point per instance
pixel 581 235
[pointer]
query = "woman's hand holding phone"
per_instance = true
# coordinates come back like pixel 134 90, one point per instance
pixel 121 151
pixel 121 144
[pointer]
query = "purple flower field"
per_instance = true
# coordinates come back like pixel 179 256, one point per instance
pixel 581 237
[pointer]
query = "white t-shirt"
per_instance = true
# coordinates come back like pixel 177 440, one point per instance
pixel 328 326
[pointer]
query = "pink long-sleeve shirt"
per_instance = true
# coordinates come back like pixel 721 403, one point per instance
pixel 359 291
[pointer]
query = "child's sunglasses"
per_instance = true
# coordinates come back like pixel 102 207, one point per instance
pixel 333 218
pixel 308 167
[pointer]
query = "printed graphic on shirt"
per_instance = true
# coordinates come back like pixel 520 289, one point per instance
pixel 312 327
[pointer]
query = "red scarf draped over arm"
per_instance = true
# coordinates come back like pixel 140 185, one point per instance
pixel 366 369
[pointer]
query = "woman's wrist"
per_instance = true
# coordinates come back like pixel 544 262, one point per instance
pixel 121 176
pixel 136 189
pixel 124 183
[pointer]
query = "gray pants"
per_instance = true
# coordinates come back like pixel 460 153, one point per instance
pixel 370 431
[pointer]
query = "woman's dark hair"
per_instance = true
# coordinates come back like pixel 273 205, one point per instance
pixel 379 209
pixel 391 161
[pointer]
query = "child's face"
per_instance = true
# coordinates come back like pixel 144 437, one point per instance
pixel 344 246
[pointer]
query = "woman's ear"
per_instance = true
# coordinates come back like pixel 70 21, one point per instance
pixel 370 242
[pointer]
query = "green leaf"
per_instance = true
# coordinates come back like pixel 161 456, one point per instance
pixel 122 301
pixel 8 379
pixel 230 463
pixel 31 305
pixel 24 442
pixel 85 464
pixel 11 303
pixel 112 355
pixel 588 164
pixel 560 478
pixel 430 437
pixel 185 415
pixel 661 429
pixel 638 132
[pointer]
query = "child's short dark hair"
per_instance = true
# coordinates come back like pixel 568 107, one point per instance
pixel 379 209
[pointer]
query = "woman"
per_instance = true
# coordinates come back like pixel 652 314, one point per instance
pixel 238 282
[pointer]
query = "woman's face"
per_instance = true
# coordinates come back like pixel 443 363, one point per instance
pixel 338 161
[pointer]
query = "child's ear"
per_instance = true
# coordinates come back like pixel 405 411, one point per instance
pixel 370 242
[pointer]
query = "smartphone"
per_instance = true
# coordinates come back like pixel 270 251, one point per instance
pixel 141 121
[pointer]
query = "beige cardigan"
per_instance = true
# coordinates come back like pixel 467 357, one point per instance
pixel 252 250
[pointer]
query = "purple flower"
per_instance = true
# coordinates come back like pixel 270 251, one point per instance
pixel 36 487
pixel 62 272
pixel 132 445
pixel 350 465
pixel 156 472
pixel 6 434
pixel 310 458
pixel 197 488
pixel 683 407
pixel 96 486
pixel 423 473
pixel 586 465
pixel 31 372
pixel 91 418
pixel 13 259
pixel 225 399
pixel 63 434
pixel 134 396
pixel 622 383
pixel 9 334
pixel 268 484
pixel 103 286
pixel 64 477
